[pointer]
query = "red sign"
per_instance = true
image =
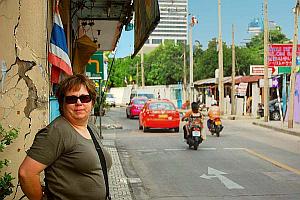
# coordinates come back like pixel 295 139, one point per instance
pixel 281 54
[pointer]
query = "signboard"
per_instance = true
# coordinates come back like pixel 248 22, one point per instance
pixel 95 67
pixel 242 89
pixel 261 82
pixel 284 70
pixel 281 55
pixel 259 70
pixel 146 18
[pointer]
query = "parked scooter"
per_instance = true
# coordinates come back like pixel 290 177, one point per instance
pixel 216 126
pixel 195 136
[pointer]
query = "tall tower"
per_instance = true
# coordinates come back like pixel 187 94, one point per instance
pixel 173 24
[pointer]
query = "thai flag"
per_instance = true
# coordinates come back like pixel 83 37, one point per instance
pixel 58 53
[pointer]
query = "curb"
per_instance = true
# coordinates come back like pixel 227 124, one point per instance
pixel 283 130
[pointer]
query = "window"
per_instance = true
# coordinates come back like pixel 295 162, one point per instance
pixel 156 41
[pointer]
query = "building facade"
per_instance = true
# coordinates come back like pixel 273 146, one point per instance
pixel 173 24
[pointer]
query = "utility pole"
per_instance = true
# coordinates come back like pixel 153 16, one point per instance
pixel 233 75
pixel 137 74
pixel 266 70
pixel 191 62
pixel 142 69
pixel 220 58
pixel 293 71
pixel 184 71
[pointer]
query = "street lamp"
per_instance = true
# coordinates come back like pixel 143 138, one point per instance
pixel 191 25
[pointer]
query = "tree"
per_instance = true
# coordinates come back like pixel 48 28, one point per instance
pixel 164 65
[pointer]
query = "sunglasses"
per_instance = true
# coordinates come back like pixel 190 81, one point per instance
pixel 73 99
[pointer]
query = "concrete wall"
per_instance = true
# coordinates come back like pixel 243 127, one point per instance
pixel 24 78
pixel 122 94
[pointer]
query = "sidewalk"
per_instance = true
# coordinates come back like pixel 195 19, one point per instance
pixel 275 125
pixel 118 182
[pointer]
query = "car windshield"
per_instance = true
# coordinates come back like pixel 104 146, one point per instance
pixel 139 101
pixel 109 96
pixel 149 96
pixel 161 106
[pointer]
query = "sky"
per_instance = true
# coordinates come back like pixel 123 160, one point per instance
pixel 237 12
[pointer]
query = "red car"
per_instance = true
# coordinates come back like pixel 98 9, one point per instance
pixel 159 114
pixel 135 106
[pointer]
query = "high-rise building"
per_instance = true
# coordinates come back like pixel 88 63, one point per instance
pixel 173 24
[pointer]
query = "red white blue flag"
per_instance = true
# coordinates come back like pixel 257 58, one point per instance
pixel 58 52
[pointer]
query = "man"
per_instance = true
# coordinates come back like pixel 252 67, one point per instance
pixel 213 113
pixel 193 112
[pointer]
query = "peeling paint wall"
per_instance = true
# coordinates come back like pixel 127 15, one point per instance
pixel 24 82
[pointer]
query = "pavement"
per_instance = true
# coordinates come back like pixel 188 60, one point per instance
pixel 274 125
pixel 119 183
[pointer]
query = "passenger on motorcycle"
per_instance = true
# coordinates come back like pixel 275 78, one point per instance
pixel 213 113
pixel 196 114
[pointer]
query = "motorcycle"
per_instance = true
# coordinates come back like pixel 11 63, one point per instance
pixel 195 136
pixel 216 126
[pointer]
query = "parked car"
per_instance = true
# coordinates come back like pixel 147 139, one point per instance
pixel 160 114
pixel 135 106
pixel 149 95
pixel 110 100
pixel 274 110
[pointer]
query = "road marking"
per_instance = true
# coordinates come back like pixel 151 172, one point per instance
pixel 207 148
pixel 147 150
pixel 234 148
pixel 174 149
pixel 274 162
pixel 213 173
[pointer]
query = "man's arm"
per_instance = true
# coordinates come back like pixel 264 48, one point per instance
pixel 29 176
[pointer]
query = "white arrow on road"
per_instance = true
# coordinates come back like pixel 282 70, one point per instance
pixel 213 173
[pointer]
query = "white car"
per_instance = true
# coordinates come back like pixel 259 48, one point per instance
pixel 110 100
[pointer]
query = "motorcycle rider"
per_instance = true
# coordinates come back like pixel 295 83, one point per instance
pixel 213 113
pixel 193 112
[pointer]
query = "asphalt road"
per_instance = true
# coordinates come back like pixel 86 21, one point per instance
pixel 245 162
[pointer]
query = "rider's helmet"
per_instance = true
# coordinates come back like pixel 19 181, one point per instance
pixel 195 107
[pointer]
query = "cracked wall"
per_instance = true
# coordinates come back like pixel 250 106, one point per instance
pixel 24 82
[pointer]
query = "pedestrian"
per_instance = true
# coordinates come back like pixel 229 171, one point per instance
pixel 65 150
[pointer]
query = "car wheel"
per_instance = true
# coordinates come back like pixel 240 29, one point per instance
pixel 145 129
pixel 275 115
pixel 176 129
pixel 130 116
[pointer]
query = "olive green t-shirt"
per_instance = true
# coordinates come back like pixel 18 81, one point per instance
pixel 73 167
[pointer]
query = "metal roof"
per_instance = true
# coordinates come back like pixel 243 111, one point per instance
pixel 104 19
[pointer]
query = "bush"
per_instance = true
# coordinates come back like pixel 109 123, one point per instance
pixel 6 138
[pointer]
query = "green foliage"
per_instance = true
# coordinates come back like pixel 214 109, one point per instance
pixel 7 138
pixel 164 65
pixel 6 186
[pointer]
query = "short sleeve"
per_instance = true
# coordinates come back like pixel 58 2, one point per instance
pixel 47 146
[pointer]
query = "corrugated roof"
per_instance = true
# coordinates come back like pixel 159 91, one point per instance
pixel 208 81
pixel 248 79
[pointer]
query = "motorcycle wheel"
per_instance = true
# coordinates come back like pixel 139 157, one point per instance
pixel 196 145
pixel 275 115
pixel 218 134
